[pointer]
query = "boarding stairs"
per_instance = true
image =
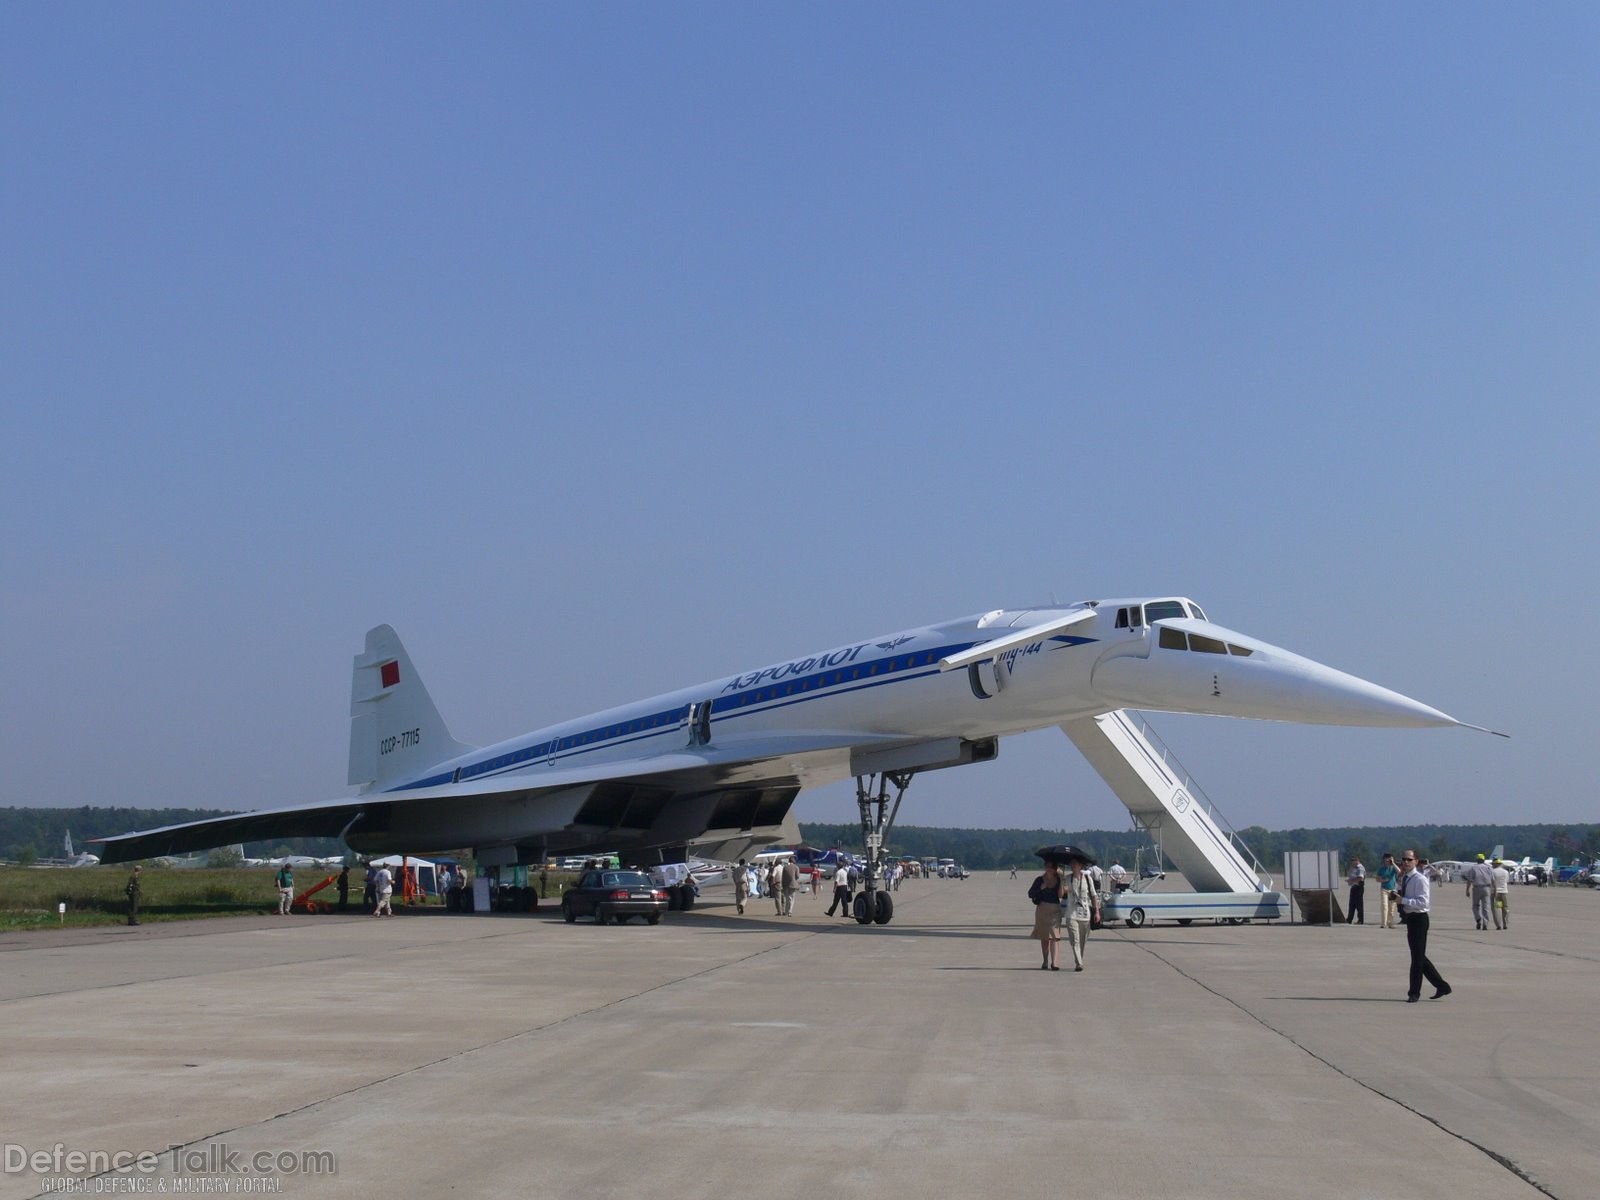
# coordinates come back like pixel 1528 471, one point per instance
pixel 1166 801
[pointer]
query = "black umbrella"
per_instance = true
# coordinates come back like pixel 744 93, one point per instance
pixel 1065 854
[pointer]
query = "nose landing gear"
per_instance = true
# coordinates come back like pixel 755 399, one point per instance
pixel 873 904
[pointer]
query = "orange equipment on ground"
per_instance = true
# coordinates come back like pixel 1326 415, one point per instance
pixel 304 900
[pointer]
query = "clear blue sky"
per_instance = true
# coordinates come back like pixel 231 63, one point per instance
pixel 607 348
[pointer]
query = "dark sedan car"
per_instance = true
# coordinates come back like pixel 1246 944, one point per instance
pixel 609 895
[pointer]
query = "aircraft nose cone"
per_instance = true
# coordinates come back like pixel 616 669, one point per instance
pixel 1330 697
pixel 1269 684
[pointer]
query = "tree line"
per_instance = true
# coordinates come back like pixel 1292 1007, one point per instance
pixel 992 849
pixel 27 834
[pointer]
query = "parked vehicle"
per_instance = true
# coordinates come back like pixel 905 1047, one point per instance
pixel 609 895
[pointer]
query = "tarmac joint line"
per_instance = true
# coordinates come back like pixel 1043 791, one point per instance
pixel 1495 1156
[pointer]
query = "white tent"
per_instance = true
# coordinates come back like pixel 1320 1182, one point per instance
pixel 425 872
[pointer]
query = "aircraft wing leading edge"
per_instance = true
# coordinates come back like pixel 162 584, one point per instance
pixel 746 762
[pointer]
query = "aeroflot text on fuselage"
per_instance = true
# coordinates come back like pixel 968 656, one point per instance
pixel 798 667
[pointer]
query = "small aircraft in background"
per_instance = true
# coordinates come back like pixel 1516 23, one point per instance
pixel 71 859
pixel 1530 872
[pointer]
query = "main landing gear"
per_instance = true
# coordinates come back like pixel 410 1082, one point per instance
pixel 873 904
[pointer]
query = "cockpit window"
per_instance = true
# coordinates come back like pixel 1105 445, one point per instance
pixel 1176 639
pixel 1196 612
pixel 1162 610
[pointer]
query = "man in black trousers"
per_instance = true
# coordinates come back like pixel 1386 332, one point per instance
pixel 1415 900
pixel 1357 878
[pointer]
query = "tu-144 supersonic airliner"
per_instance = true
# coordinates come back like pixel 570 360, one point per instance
pixel 718 766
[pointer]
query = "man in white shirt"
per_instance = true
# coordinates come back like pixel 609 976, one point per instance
pixel 385 885
pixel 1356 877
pixel 1501 907
pixel 841 891
pixel 1415 900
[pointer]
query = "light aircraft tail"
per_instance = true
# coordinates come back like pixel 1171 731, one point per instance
pixel 395 731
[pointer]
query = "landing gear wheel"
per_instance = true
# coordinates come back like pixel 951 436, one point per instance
pixel 1185 920
pixel 686 898
pixel 1136 918
pixel 873 904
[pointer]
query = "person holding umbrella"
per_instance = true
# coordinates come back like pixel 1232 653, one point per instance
pixel 1046 892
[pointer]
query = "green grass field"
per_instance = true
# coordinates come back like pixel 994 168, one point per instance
pixel 29 896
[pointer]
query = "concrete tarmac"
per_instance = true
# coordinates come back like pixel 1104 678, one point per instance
pixel 716 1055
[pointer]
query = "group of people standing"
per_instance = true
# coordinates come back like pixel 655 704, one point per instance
pixel 1064 897
pixel 782 880
pixel 779 881
pixel 1407 890
pixel 1488 888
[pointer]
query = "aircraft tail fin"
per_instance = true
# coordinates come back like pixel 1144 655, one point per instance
pixel 396 733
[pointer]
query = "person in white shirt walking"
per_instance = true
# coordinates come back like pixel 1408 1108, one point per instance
pixel 841 891
pixel 385 886
pixel 1501 907
pixel 1415 901
pixel 1082 904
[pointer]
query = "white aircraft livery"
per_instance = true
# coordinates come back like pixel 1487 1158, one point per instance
pixel 717 767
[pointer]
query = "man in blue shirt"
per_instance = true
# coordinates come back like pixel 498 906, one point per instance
pixel 1388 882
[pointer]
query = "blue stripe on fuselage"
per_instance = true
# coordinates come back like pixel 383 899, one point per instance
pixel 895 668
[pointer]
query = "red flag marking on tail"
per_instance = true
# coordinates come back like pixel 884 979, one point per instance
pixel 391 674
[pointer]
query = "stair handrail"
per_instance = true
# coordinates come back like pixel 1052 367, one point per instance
pixel 1189 784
